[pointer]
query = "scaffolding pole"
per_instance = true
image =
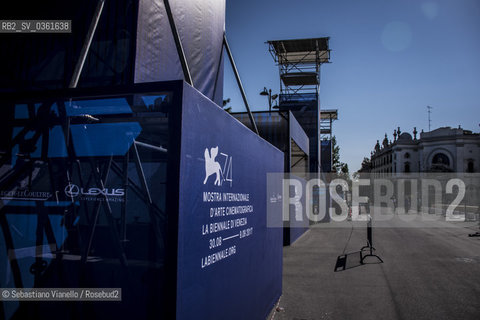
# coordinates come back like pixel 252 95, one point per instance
pixel 239 82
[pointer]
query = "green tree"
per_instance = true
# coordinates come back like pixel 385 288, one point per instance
pixel 335 155
pixel 364 170
pixel 225 102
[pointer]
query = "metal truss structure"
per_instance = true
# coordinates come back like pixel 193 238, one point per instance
pixel 32 166
pixel 326 121
pixel 299 62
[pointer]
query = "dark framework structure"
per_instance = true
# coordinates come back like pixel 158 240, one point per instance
pixel 327 117
pixel 65 156
pixel 326 122
pixel 41 155
pixel 106 47
pixel 299 62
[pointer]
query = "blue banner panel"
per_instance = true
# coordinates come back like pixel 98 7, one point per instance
pixel 229 262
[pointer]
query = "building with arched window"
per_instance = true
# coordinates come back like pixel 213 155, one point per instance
pixel 444 149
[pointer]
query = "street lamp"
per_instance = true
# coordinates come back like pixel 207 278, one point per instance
pixel 271 97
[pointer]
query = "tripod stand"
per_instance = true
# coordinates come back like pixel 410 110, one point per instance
pixel 369 245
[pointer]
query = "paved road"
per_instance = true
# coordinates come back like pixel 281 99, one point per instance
pixel 428 273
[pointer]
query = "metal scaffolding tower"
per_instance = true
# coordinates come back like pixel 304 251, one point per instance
pixel 299 62
pixel 326 120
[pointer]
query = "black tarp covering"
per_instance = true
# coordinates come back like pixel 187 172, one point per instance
pixel 133 43
pixel 326 157
pixel 47 61
pixel 200 24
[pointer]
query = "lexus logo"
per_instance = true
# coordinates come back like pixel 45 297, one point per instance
pixel 72 190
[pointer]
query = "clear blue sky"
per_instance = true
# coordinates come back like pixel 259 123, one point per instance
pixel 389 60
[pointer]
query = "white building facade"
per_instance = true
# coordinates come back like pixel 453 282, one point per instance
pixel 442 150
pixel 442 153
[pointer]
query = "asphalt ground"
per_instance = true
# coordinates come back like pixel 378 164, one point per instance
pixel 430 271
